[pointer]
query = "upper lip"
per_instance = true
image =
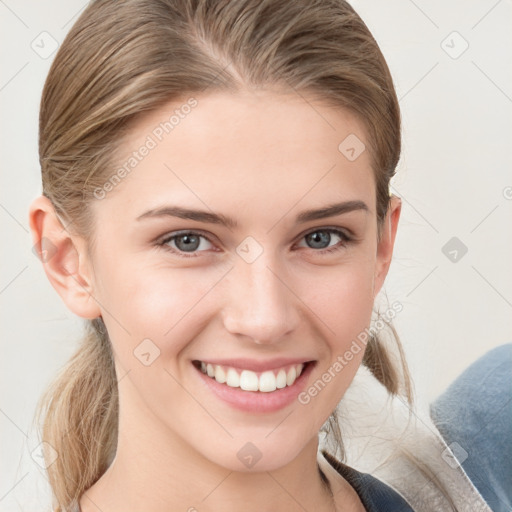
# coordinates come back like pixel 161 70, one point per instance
pixel 255 365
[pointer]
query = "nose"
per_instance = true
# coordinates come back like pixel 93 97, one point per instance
pixel 261 305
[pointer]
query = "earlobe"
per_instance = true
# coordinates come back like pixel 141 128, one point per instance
pixel 386 243
pixel 64 259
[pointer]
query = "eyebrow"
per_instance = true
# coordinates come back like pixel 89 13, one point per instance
pixel 217 218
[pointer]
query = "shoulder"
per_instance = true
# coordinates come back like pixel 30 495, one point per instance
pixel 474 416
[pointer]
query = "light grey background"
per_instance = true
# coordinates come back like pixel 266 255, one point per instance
pixel 454 178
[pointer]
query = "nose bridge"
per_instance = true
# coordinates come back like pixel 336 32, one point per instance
pixel 260 306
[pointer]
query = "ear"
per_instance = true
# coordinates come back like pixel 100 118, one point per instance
pixel 386 243
pixel 64 259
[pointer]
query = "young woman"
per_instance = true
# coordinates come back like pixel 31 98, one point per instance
pixel 216 204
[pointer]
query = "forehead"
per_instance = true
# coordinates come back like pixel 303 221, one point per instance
pixel 245 149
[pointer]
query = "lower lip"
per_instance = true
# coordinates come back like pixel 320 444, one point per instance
pixel 258 401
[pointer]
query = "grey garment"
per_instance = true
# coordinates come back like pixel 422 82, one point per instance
pixel 403 448
pixel 424 472
pixel 465 443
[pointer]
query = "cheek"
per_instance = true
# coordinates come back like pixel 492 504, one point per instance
pixel 342 297
pixel 344 304
pixel 163 305
pixel 157 314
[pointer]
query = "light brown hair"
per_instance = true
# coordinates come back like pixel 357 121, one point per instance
pixel 122 59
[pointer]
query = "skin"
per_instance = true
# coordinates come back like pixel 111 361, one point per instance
pixel 260 158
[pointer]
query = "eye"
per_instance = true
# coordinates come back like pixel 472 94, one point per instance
pixel 184 242
pixel 319 237
pixel 188 243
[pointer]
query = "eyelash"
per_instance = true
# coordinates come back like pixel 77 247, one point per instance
pixel 345 240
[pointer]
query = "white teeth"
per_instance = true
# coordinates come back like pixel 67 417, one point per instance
pixel 291 376
pixel 220 374
pixel 281 379
pixel 248 380
pixel 232 378
pixel 267 382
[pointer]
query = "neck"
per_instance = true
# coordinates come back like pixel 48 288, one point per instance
pixel 161 472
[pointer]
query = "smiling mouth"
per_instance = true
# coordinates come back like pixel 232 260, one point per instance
pixel 247 380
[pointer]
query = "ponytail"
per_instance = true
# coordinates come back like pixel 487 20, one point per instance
pixel 80 409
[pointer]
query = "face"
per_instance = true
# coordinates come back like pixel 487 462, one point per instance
pixel 257 288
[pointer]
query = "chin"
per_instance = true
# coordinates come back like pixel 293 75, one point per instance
pixel 268 451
